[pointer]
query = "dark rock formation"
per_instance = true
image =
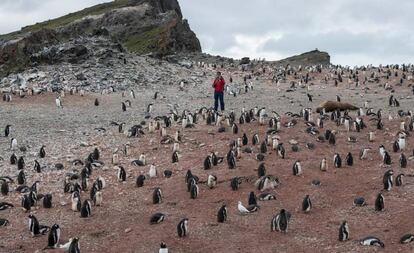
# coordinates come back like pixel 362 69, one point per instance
pixel 314 57
pixel 141 26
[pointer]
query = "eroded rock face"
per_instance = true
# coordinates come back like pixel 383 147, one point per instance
pixel 140 26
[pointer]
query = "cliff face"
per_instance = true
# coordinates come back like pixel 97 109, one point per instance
pixel 139 26
pixel 314 57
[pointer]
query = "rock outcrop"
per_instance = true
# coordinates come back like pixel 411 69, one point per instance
pixel 152 27
pixel 314 57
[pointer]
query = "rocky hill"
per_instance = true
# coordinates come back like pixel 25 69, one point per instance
pixel 140 26
pixel 314 57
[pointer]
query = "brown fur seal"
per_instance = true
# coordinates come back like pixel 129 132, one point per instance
pixel 333 105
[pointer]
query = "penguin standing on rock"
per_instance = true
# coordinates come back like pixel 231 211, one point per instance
pixel 182 228
pixel 140 180
pixel 297 168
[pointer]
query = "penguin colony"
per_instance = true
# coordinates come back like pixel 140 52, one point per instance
pixel 251 157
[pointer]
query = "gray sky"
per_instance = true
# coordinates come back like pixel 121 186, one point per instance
pixel 352 31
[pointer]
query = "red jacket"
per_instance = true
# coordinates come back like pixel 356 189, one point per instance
pixel 218 84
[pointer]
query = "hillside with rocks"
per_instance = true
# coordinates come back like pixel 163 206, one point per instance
pixel 137 26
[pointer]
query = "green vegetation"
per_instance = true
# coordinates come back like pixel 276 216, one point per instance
pixel 67 19
pixel 143 42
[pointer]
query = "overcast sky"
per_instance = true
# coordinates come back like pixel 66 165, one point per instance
pixel 352 31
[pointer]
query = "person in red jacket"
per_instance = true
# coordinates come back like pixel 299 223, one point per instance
pixel 218 86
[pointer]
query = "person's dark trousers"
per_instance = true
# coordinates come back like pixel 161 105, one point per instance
pixel 218 96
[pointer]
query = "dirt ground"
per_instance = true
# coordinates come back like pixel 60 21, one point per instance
pixel 121 224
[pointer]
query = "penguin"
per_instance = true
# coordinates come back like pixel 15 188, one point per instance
pixel 306 204
pixel 222 214
pixel 231 160
pixel 167 173
pixel 387 180
pixel 182 228
pixel 234 183
pixel 323 165
pixel 86 209
pixel 211 181
pixel 255 139
pixel 344 231
pixel 349 159
pixel 96 102
pixel 235 128
pixel 149 108
pixel 4 222
pixel 153 171
pixel 140 180
pixel 21 178
pixel 157 218
pixel 42 152
pixel 157 196
pixel 263 147
pixel 266 196
pixel 175 157
pixel 252 199
pixel 121 173
pixel 5 205
pixel 245 140
pixel 379 202
pixel 4 188
pixel 13 159
pixel 115 159
pixel 261 171
pixel 74 246
pixel 280 222
pixel 163 248
pixel 399 180
pixel 337 161
pixel 58 102
pixel 194 190
pixel 281 150
pixel 76 202
pixel 7 130
pixel 132 94
pixel 297 168
pixel 123 107
pixel 332 139
pixel 97 198
pixel 20 163
pixel 47 200
pixel 96 154
pixel 35 228
pixel 407 238
pixel 403 161
pixel 363 153
pixel 359 201
pixel 401 141
pixel 382 150
pixel 387 158
pixel 53 237
pixel 37 166
pixel 372 241
pixel 266 183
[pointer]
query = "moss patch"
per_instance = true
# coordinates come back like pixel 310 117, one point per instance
pixel 145 42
